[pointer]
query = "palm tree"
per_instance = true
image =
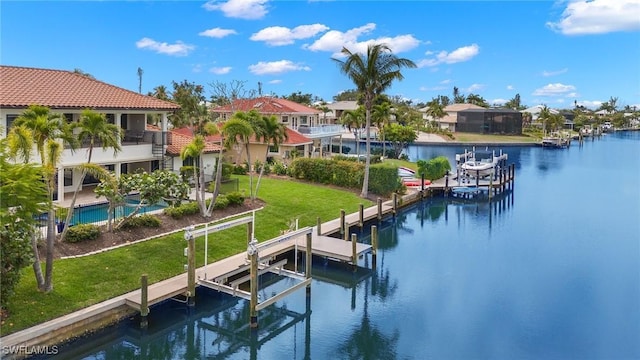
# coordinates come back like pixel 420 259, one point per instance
pixel 140 72
pixel 274 133
pixel 372 75
pixel 435 109
pixel 354 119
pixel 238 131
pixel 476 99
pixel 194 150
pixel 48 131
pixel 380 116
pixel 96 130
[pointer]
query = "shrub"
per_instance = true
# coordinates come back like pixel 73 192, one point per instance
pixel 221 202
pixel 383 179
pixel 82 232
pixel 142 221
pixel 239 170
pixel 433 169
pixel 185 209
pixel 235 198
pixel 279 168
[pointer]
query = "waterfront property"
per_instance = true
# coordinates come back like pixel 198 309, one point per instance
pixel 70 93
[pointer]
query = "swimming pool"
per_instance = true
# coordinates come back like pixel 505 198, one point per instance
pixel 95 213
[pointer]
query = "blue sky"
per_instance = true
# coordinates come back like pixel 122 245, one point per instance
pixel 549 52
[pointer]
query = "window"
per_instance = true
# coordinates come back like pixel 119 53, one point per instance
pixel 10 120
pixel 69 118
pixel 68 177
pixel 303 120
pixel 274 149
pixel 111 118
pixel 285 119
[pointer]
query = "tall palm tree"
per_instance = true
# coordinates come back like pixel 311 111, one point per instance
pixel 194 150
pixel 435 109
pixel 238 131
pixel 274 133
pixel 96 131
pixel 372 74
pixel 48 131
pixel 354 119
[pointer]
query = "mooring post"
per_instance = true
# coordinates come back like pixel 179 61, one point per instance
pixel 374 245
pixel 354 251
pixel 395 203
pixel 379 209
pixel 346 232
pixel 477 179
pixel 318 226
pixel 361 216
pixel 307 271
pixel 253 284
pixel 490 186
pixel 144 301
pixel 342 222
pixel 446 183
pixel 191 269
pixel 421 184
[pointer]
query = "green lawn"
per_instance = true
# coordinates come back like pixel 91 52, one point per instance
pixel 81 282
pixel 482 138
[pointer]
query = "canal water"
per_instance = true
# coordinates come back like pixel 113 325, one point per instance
pixel 550 270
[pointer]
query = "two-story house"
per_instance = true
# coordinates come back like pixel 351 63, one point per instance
pixel 69 93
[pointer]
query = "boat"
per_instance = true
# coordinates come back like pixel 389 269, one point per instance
pixel 556 140
pixel 409 179
pixel 480 163
pixel 586 131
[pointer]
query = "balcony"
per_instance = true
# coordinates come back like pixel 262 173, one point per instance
pixel 315 132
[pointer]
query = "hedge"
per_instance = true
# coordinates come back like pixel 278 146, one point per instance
pixel 82 232
pixel 383 179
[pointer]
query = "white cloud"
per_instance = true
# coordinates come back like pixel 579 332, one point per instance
pixel 217 33
pixel 461 54
pixel 572 95
pixel 499 101
pixel 510 87
pixel 546 73
pixel 197 68
pixel 446 81
pixel 279 35
pixel 276 81
pixel 554 90
pixel 475 87
pixel 241 9
pixel 590 104
pixel 276 67
pixel 220 70
pixel 334 40
pixel 433 88
pixel 598 17
pixel 177 49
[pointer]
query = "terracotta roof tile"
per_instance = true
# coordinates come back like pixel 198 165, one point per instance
pixel 179 138
pixel 61 89
pixel 268 105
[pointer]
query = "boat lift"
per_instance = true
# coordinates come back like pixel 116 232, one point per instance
pixel 259 261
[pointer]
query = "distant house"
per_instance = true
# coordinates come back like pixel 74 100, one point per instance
pixel 450 120
pixel 69 93
pixel 308 132
pixel 490 121
pixel 338 108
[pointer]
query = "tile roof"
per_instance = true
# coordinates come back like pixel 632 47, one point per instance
pixel 179 138
pixel 460 107
pixel 267 105
pixel 61 89
pixel 294 138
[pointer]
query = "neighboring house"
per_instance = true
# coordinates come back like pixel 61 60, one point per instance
pixel 490 121
pixel 449 121
pixel 307 132
pixel 69 93
pixel 179 139
pixel 338 108
pixel 534 111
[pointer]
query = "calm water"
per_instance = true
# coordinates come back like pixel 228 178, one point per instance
pixel 549 271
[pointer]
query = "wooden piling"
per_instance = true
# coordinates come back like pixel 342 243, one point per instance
pixel 379 209
pixel 354 252
pixel 308 259
pixel 346 232
pixel 490 187
pixel 144 300
pixel 374 245
pixel 361 216
pixel 477 179
pixel 318 226
pixel 446 183
pixel 395 203
pixel 253 288
pixel 342 222
pixel 191 271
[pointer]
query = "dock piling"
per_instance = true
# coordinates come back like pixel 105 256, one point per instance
pixel 191 269
pixel 379 209
pixel 318 226
pixel 395 203
pixel 374 245
pixel 346 232
pixel 253 284
pixel 354 252
pixel 361 216
pixel 144 305
pixel 308 259
pixel 342 222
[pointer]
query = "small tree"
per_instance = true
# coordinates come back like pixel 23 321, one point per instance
pixel 435 168
pixel 400 136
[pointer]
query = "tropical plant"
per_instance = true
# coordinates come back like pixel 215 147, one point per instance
pixel 372 74
pixel 239 130
pixel 400 136
pixel 94 130
pixel 48 131
pixel 381 116
pixel 354 120
pixel 476 99
pixel 23 196
pixel 273 134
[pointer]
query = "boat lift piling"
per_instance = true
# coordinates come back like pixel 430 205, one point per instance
pixel 354 252
pixel 374 245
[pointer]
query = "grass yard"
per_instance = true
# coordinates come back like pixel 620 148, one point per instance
pixel 85 281
pixel 482 138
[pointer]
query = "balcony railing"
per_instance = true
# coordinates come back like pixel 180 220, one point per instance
pixel 320 130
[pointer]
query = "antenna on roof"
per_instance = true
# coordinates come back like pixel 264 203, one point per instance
pixel 140 72
pixel 259 88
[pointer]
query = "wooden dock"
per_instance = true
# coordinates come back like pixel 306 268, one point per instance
pixel 217 275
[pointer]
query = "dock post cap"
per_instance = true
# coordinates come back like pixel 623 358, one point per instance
pixel 187 232
pixel 253 247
